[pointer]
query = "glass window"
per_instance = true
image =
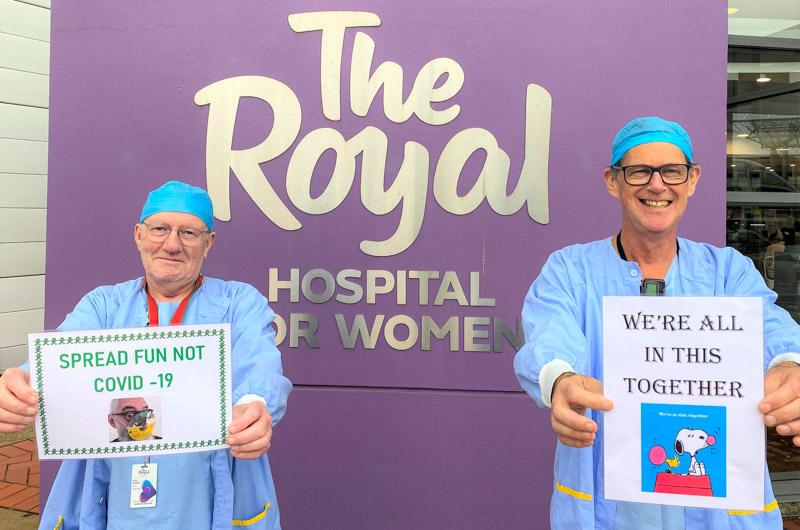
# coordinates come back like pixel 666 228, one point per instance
pixel 763 177
pixel 763 217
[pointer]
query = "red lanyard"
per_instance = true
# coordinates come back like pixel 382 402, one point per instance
pixel 152 306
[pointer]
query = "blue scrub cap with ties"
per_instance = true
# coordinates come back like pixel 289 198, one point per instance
pixel 177 196
pixel 647 130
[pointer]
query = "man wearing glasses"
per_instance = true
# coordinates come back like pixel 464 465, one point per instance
pixel 652 175
pixel 213 489
pixel 132 419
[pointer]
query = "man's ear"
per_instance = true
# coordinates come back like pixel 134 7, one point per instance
pixel 612 178
pixel 694 176
pixel 211 237
pixel 137 235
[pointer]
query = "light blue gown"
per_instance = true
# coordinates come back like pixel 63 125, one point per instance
pixel 562 318
pixel 201 490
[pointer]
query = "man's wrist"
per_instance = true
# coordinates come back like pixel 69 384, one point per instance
pixel 549 375
pixel 562 376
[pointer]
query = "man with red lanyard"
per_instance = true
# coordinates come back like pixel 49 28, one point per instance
pixel 214 489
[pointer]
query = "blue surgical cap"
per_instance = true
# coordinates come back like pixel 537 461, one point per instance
pixel 177 196
pixel 647 130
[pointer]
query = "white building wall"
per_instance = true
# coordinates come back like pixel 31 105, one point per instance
pixel 24 102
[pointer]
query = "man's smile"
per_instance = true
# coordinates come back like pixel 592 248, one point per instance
pixel 655 204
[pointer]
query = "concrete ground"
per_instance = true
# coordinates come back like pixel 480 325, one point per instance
pixel 16 520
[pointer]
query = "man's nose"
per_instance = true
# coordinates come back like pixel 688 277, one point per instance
pixel 173 242
pixel 656 182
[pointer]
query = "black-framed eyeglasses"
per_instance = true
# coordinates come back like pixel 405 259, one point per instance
pixel 189 235
pixel 641 174
pixel 129 415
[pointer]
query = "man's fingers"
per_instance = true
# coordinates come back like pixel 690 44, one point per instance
pixel 23 391
pixel 592 385
pixel 17 379
pixel 251 431
pixel 16 394
pixel 786 414
pixel 11 427
pixel 779 398
pixel 573 437
pixel 259 445
pixel 571 426
pixel 581 437
pixel 585 392
pixel 244 415
pixel 252 423
pixel 785 394
pixel 781 385
pixel 779 374
pixel 781 405
pixel 253 441
pixel 254 431
pixel 252 455
pixel 791 428
pixel 15 414
pixel 241 421
pixel 7 416
pixel 563 414
pixel 10 404
pixel 572 396
pixel 572 442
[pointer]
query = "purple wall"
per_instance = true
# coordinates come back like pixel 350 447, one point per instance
pixel 379 438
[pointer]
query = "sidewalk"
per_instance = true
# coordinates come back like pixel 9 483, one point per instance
pixel 19 481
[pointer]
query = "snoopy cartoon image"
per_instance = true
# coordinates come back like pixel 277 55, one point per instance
pixel 691 441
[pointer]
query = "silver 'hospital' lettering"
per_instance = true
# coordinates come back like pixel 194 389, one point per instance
pixel 351 286
pixel 400 332
pixel 409 188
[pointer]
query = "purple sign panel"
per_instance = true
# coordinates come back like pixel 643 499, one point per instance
pixel 392 175
pixel 378 296
pixel 392 178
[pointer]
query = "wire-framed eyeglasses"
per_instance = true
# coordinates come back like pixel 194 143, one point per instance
pixel 189 235
pixel 641 174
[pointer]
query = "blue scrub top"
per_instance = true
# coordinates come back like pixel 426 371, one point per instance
pixel 184 487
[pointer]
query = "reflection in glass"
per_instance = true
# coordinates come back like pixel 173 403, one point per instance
pixel 771 238
pixel 763 178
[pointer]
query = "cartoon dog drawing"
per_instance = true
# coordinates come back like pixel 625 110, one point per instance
pixel 691 441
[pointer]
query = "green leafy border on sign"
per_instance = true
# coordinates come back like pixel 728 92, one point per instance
pixel 39 344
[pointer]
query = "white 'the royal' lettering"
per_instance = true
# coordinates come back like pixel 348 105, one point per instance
pixel 409 188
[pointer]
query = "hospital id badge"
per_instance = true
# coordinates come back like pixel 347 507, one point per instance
pixel 144 479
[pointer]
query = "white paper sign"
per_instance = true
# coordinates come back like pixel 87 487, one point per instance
pixel 686 375
pixel 133 391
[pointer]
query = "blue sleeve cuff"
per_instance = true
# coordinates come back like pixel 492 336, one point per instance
pixel 249 398
pixel 782 358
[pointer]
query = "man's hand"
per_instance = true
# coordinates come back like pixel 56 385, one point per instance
pixel 781 403
pixel 572 395
pixel 17 400
pixel 250 431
